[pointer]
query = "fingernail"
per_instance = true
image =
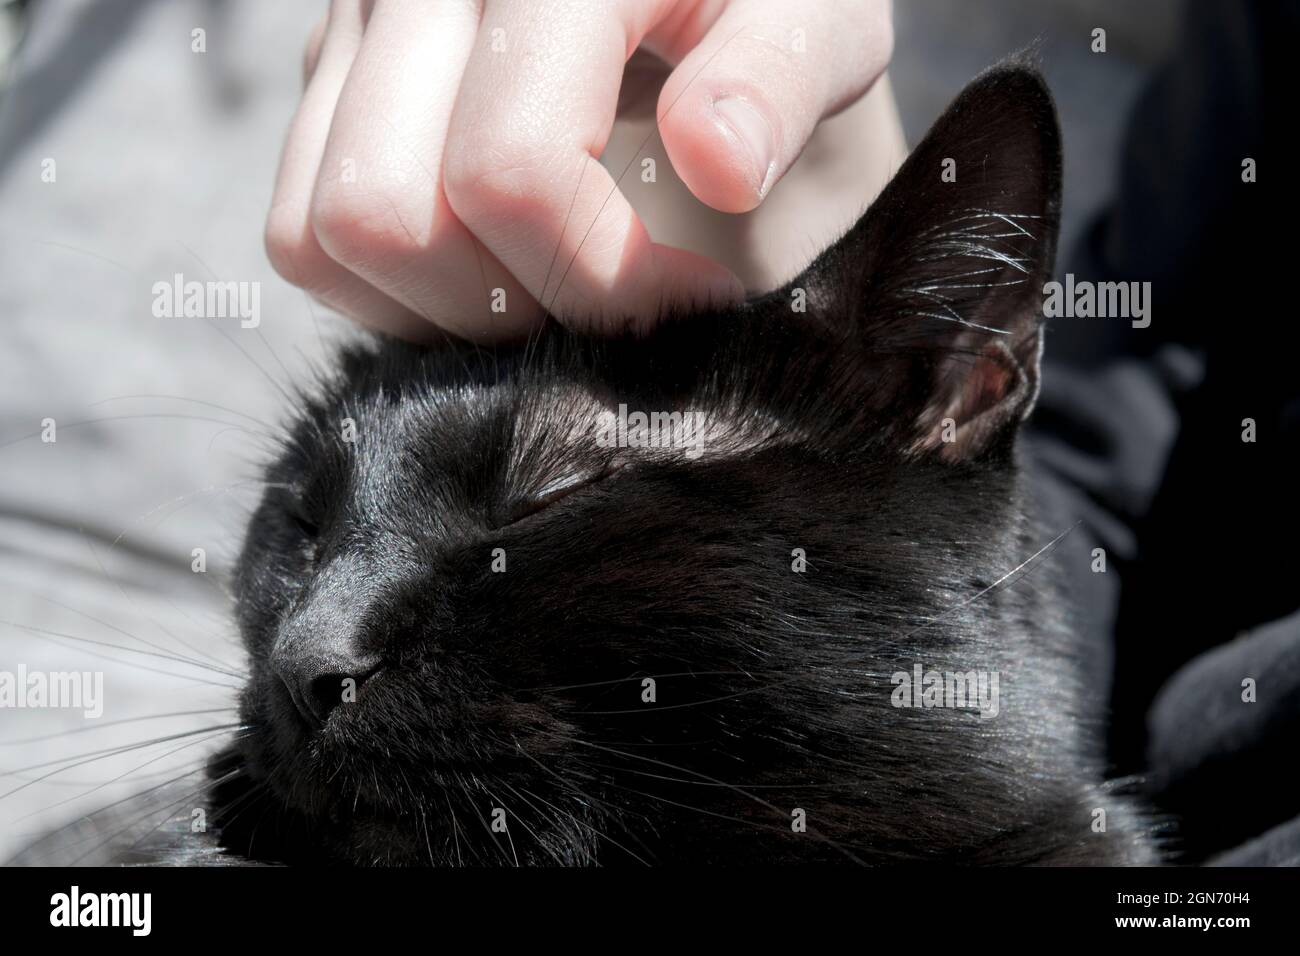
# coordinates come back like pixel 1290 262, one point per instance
pixel 755 132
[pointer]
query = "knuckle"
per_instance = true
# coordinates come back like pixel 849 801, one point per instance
pixel 358 227
pixel 489 180
pixel 783 66
pixel 290 256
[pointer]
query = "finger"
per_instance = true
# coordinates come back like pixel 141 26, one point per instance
pixel 311 52
pixel 379 208
pixel 746 96
pixel 290 244
pixel 536 106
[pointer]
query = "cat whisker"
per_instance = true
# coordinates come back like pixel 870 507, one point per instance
pixel 216 665
pixel 487 828
pixel 557 819
pixel 522 822
pixel 210 323
pixel 1040 553
pixel 243 801
pixel 829 785
pixel 54 834
pixel 428 844
pixel 166 810
pixel 190 662
pixel 99 725
pixel 699 703
pixel 568 785
pixel 270 429
pixel 85 423
pixel 95 755
pixel 178 503
pixel 58 835
pixel 739 791
pixel 455 829
pixel 122 590
pixel 110 782
pixel 634 677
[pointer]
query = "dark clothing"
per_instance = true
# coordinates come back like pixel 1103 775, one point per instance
pixel 1198 524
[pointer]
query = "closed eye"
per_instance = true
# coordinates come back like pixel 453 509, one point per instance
pixel 296 510
pixel 306 527
pixel 550 493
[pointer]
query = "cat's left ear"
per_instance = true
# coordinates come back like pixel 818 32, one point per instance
pixel 936 293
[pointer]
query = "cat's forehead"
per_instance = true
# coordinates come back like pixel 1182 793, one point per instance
pixel 519 436
pixel 549 421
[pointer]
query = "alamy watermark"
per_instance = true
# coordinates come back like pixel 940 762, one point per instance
pixel 1102 300
pixel 133 911
pixel 621 429
pixel 56 690
pixel 972 690
pixel 208 300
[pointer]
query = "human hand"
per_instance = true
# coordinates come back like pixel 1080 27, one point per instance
pixel 442 165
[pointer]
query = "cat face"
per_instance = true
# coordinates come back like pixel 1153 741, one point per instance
pixel 639 599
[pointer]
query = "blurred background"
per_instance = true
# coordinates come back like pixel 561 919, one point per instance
pixel 124 159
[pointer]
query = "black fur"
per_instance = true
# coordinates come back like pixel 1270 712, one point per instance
pixel 523 690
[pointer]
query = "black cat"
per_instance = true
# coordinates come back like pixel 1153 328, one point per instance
pixel 484 628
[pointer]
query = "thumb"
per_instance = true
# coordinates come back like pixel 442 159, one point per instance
pixel 743 101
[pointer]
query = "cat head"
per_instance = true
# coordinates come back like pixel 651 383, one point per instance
pixel 639 598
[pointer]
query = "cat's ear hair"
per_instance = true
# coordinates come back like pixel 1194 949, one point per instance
pixel 938 288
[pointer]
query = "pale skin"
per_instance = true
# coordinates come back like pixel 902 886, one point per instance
pixel 454 163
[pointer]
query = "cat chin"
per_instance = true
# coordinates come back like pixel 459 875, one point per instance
pixel 333 782
pixel 257 821
pixel 267 812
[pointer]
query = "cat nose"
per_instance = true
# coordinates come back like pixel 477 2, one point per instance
pixel 321 671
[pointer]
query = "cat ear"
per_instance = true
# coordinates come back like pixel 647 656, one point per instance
pixel 937 291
